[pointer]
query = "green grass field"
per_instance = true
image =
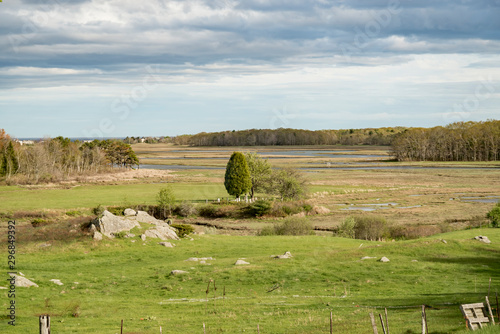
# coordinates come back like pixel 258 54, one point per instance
pixel 119 279
pixel 113 280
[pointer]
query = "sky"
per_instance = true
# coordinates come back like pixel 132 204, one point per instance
pixel 109 68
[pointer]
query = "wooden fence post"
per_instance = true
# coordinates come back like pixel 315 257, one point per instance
pixel 382 323
pixel 425 330
pixel 489 310
pixel 331 322
pixel 44 324
pixel 386 321
pixel 121 328
pixel 374 325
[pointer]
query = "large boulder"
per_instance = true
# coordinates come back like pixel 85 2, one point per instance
pixel 163 232
pixel 109 224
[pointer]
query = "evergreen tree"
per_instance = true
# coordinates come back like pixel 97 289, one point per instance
pixel 237 179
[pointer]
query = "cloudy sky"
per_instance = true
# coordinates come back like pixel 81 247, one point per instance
pixel 115 68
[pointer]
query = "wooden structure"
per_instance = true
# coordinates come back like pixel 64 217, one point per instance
pixel 44 321
pixel 475 314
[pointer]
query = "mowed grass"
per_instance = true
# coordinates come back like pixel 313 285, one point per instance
pixel 14 198
pixel 105 282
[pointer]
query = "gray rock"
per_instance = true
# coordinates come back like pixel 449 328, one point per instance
pixel 56 281
pixel 444 241
pixel 482 238
pixel 110 224
pixel 129 235
pixel 241 263
pixel 143 237
pixel 287 255
pixel 97 236
pixel 384 259
pixel 178 272
pixel 166 244
pixel 368 257
pixel 23 282
pixel 144 217
pixel 163 232
pixel 129 212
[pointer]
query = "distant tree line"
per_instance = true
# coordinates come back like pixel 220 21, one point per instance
pixel 58 158
pixel 462 141
pixel 267 137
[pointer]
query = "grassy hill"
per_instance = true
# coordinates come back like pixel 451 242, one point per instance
pixel 111 280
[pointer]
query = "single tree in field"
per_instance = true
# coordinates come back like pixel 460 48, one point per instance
pixel 260 172
pixel 237 179
pixel 166 201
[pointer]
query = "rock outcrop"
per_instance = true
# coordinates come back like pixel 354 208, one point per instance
pixel 109 225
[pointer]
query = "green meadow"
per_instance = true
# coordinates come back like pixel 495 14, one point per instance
pixel 127 279
pixel 119 279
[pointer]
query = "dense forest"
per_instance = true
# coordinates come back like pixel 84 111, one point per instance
pixel 281 136
pixel 58 158
pixel 463 141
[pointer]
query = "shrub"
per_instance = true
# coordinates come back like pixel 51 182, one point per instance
pixel 494 216
pixel 166 200
pixel 211 211
pixel 370 227
pixel 73 213
pixel 283 210
pixel 185 209
pixel 37 222
pixel 307 207
pixel 116 210
pixel 183 229
pixel 290 226
pixel 267 231
pixel 259 208
pixel 98 210
pixel 347 228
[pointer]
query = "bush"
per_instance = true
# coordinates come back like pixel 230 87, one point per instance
pixel 37 222
pixel 347 228
pixel 98 210
pixel 73 213
pixel 494 216
pixel 211 211
pixel 283 210
pixel 370 227
pixel 259 208
pixel 166 200
pixel 116 210
pixel 290 226
pixel 185 209
pixel 307 207
pixel 183 229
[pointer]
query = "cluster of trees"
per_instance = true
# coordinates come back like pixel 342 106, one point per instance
pixel 57 158
pixel 462 141
pixel 249 173
pixel 266 137
pixel 9 163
